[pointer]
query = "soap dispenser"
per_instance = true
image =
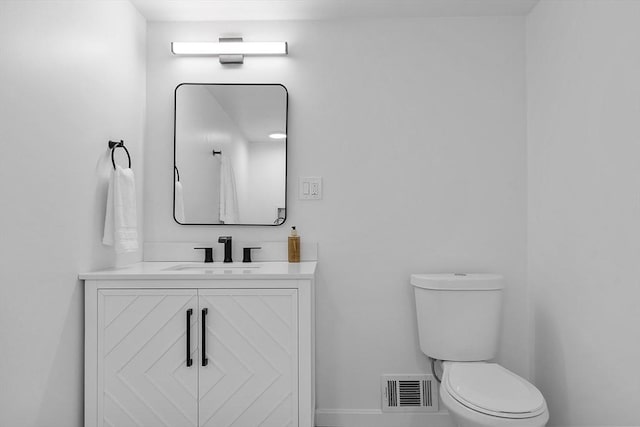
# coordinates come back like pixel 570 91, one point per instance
pixel 294 245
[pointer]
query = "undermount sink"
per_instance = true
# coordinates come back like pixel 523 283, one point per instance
pixel 212 266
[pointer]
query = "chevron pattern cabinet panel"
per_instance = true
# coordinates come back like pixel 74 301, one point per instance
pixel 142 346
pixel 203 352
pixel 250 378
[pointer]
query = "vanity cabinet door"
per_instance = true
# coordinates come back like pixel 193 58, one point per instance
pixel 144 378
pixel 249 358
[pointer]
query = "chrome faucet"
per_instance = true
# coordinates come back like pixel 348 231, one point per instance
pixel 227 247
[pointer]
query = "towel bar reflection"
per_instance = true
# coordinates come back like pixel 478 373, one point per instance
pixel 115 144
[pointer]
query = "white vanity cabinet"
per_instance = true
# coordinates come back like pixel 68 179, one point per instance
pixel 141 376
pixel 198 350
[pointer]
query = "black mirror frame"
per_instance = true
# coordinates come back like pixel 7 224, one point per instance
pixel 286 152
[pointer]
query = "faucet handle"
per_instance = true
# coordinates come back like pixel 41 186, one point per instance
pixel 246 253
pixel 224 239
pixel 208 254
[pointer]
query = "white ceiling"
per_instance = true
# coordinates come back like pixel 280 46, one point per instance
pixel 249 10
pixel 257 110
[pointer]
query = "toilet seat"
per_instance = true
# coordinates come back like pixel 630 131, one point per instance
pixel 490 389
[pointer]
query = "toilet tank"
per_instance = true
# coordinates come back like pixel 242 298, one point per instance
pixel 459 315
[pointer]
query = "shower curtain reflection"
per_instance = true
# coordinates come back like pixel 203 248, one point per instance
pixel 229 213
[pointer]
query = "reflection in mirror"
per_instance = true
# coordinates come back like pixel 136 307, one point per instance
pixel 230 154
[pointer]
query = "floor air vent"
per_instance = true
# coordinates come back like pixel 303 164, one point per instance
pixel 409 393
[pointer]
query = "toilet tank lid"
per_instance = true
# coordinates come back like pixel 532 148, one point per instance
pixel 458 281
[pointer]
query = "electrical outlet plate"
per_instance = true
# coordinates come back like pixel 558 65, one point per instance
pixel 310 188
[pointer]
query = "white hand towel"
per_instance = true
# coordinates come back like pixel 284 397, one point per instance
pixel 179 201
pixel 121 223
pixel 228 196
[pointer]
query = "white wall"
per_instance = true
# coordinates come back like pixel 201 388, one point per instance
pixel 72 77
pixel 267 180
pixel 204 126
pixel 583 70
pixel 418 128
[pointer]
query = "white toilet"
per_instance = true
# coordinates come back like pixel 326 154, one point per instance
pixel 459 317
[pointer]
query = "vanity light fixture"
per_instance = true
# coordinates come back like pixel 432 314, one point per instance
pixel 229 50
pixel 278 135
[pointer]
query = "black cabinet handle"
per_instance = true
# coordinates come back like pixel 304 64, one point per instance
pixel 205 361
pixel 189 359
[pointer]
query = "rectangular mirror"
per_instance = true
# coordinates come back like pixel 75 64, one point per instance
pixel 230 154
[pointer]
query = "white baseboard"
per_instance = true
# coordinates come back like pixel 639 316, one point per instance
pixel 377 418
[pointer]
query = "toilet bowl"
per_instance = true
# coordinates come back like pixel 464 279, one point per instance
pixel 480 394
pixel 459 317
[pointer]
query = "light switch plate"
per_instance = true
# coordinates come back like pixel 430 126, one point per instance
pixel 310 188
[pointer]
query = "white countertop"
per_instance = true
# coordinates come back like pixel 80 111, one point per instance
pixel 205 271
